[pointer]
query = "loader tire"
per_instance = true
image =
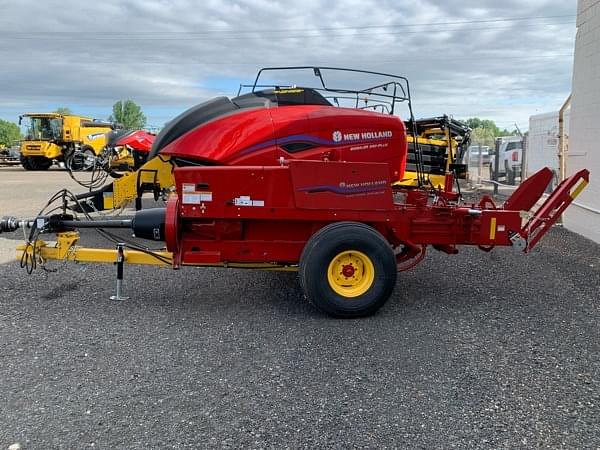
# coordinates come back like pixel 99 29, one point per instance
pixel 347 269
pixel 510 174
pixel 38 163
pixel 25 163
pixel 89 159
pixel 83 160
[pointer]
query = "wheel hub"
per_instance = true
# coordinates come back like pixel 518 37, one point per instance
pixel 348 270
pixel 351 273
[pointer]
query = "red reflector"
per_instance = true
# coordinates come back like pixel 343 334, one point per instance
pixel 515 156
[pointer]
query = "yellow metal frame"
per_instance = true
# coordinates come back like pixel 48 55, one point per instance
pixel 65 249
pixel 157 170
pixel 46 149
pixel 410 178
pixel 124 158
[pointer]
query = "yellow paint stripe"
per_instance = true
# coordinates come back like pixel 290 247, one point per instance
pixel 493 228
pixel 578 189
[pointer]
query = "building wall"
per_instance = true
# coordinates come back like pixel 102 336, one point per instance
pixel 542 141
pixel 584 133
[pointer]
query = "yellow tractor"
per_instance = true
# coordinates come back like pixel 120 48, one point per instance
pixel 74 140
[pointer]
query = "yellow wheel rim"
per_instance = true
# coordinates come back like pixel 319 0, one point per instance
pixel 351 273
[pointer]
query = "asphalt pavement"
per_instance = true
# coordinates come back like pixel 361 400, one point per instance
pixel 477 350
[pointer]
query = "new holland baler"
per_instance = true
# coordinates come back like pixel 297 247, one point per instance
pixel 284 178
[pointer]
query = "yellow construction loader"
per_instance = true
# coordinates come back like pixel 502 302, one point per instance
pixel 49 137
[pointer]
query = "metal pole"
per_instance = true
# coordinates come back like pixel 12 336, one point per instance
pixel 523 157
pixel 479 165
pixel 562 148
pixel 561 139
pixel 496 163
pixel 120 260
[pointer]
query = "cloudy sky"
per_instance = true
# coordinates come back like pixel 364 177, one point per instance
pixel 502 60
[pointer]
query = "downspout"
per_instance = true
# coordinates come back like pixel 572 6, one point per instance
pixel 562 157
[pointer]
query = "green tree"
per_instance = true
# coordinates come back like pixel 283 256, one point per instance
pixel 486 124
pixel 505 132
pixel 486 131
pixel 64 110
pixel 483 136
pixel 9 133
pixel 129 114
pixel 490 126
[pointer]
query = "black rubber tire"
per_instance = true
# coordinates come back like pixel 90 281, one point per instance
pixel 39 162
pixel 510 174
pixel 89 159
pixel 325 245
pixel 77 161
pixel 25 162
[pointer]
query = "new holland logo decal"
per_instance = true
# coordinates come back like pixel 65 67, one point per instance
pixel 338 136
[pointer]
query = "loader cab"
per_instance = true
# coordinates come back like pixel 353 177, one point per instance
pixel 43 127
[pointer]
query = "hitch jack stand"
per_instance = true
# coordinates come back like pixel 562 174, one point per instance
pixel 119 263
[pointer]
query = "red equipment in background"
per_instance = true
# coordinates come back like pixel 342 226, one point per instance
pixel 139 140
pixel 135 144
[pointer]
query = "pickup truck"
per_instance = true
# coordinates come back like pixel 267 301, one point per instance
pixel 473 152
pixel 510 149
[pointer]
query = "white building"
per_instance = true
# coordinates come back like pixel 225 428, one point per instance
pixel 584 132
pixel 543 143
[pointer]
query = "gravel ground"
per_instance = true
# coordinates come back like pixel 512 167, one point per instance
pixel 477 350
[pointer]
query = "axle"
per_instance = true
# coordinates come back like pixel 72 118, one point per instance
pixel 51 223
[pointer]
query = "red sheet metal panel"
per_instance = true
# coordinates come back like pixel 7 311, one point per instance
pixel 267 214
pixel 341 185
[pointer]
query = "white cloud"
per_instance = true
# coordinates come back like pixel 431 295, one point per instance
pixel 159 52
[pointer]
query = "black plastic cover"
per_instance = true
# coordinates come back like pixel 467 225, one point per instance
pixel 115 135
pixel 149 224
pixel 282 97
pixel 190 119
